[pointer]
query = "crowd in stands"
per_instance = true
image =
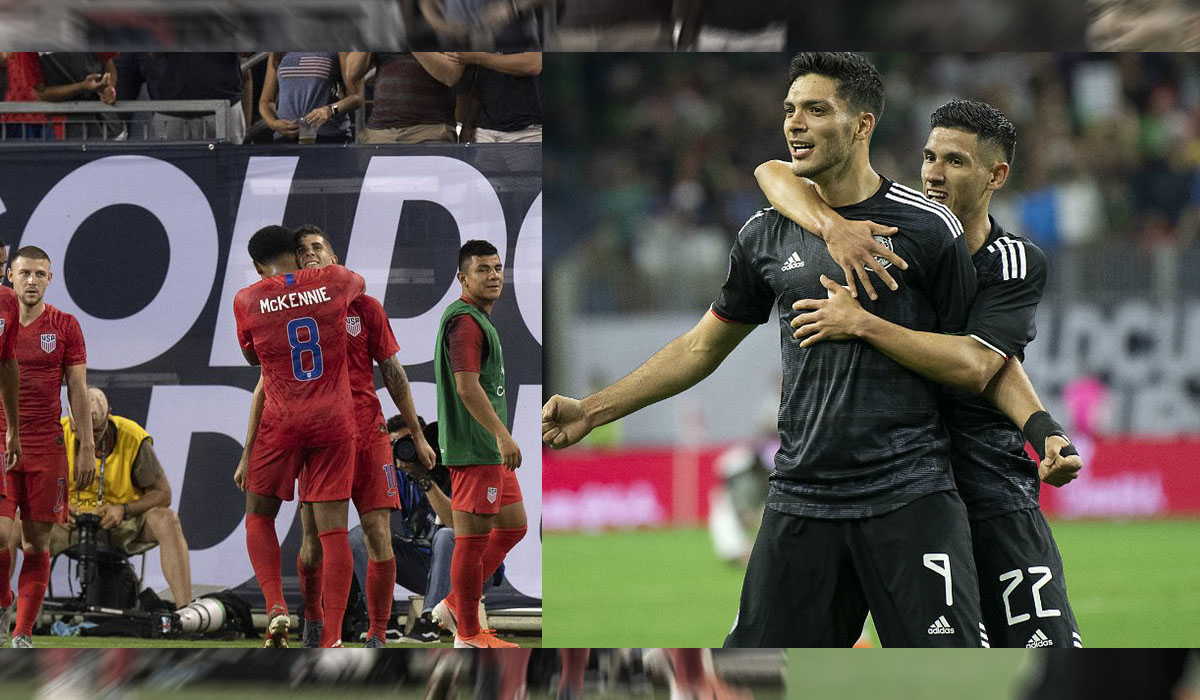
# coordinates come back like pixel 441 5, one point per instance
pixel 306 97
pixel 650 159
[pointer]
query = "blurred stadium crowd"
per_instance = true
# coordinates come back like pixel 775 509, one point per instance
pixel 707 25
pixel 651 164
pixel 311 97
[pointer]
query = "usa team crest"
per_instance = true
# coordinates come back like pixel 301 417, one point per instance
pixel 1 326
pixel 492 493
pixel 49 342
pixel 353 325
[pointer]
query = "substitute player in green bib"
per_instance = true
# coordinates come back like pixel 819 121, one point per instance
pixel 489 515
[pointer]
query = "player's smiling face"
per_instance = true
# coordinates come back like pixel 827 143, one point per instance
pixel 314 251
pixel 483 277
pixel 956 170
pixel 818 125
pixel 29 279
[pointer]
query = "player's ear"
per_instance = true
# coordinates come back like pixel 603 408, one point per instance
pixel 865 127
pixel 999 175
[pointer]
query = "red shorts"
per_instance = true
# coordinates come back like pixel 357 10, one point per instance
pixel 483 489
pixel 325 472
pixel 39 489
pixel 375 476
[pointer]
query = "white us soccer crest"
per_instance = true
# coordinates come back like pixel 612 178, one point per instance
pixel 49 342
pixel 353 325
pixel 492 493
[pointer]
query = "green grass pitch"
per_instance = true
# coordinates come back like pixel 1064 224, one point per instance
pixel 1132 584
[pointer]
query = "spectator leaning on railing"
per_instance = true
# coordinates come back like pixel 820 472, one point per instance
pixel 506 97
pixel 318 88
pixel 414 102
pixel 23 73
pixel 192 76
pixel 80 76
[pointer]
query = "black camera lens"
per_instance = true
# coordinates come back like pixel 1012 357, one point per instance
pixel 404 450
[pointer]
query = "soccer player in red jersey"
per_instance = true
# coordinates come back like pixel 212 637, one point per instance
pixel 292 323
pixel 489 512
pixel 48 346
pixel 374 493
pixel 10 382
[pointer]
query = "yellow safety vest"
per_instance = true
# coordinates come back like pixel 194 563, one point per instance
pixel 118 466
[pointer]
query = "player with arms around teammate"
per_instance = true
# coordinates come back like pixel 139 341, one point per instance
pixel 10 383
pixel 489 512
pixel 48 346
pixel 370 339
pixel 968 156
pixel 862 512
pixel 293 324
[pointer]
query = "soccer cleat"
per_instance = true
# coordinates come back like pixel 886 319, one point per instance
pixel 483 640
pixel 277 630
pixel 312 634
pixel 443 615
pixel 22 641
pixel 336 645
pixel 374 643
pixel 424 631
pixel 6 614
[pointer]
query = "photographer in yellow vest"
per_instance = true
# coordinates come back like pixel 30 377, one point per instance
pixel 130 494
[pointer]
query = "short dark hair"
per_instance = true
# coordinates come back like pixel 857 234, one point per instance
pixel 980 118
pixel 396 422
pixel 475 247
pixel 859 82
pixel 271 242
pixel 30 251
pixel 309 230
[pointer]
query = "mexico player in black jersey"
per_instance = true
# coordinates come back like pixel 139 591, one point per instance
pixel 967 157
pixel 862 512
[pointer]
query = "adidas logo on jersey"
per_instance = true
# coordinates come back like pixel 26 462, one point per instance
pixel 793 262
pixel 941 626
pixel 1039 639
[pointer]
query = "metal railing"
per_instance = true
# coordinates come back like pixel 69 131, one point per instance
pixel 218 108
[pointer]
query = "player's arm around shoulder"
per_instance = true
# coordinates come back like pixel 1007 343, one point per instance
pixel 681 364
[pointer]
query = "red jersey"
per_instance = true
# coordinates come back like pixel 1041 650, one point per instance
pixel 44 350
pixel 10 317
pixel 371 340
pixel 296 324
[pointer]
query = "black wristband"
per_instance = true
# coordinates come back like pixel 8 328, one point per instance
pixel 1040 426
pixel 425 483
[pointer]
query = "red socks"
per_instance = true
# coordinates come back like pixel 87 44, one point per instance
pixel 263 546
pixel 31 589
pixel 310 589
pixel 5 578
pixel 381 581
pixel 500 541
pixel 337 569
pixel 574 666
pixel 466 581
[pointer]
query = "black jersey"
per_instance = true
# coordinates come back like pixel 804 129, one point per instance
pixel 860 435
pixel 993 473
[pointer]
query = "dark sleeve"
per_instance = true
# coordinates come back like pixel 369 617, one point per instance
pixel 146 467
pixel 949 279
pixel 1002 316
pixel 745 297
pixel 465 338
